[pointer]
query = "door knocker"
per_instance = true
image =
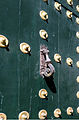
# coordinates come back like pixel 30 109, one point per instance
pixel 46 67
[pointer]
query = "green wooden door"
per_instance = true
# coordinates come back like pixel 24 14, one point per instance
pixel 20 79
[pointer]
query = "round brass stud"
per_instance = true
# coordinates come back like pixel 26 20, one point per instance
pixel 23 115
pixel 77 79
pixel 77 94
pixel 77 64
pixel 77 8
pixel 77 20
pixel 43 34
pixel 70 2
pixel 77 35
pixel 78 110
pixel 77 49
pixel 25 48
pixel 57 6
pixel 69 111
pixel 43 93
pixel 45 0
pixel 42 114
pixel 69 14
pixel 43 15
pixel 3 41
pixel 69 61
pixel 3 116
pixel 57 58
pixel 57 113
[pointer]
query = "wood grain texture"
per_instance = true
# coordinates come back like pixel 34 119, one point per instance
pixel 20 79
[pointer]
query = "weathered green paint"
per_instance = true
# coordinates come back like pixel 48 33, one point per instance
pixel 20 80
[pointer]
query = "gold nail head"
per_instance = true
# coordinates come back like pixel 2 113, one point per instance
pixel 43 93
pixel 42 114
pixel 25 48
pixel 45 0
pixel 69 110
pixel 70 2
pixel 77 79
pixel 23 115
pixel 3 116
pixel 77 64
pixel 57 57
pixel 77 49
pixel 77 8
pixel 3 41
pixel 77 20
pixel 77 94
pixel 57 113
pixel 43 15
pixel 78 110
pixel 69 14
pixel 77 35
pixel 43 34
pixel 69 61
pixel 57 6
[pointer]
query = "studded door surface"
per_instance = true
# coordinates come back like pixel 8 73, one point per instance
pixel 20 79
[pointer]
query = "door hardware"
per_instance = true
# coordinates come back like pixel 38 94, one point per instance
pixel 46 67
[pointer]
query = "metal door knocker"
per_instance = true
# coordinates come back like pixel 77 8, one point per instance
pixel 46 67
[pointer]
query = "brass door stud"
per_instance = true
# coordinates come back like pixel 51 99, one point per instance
pixel 77 35
pixel 77 79
pixel 57 57
pixel 43 15
pixel 77 8
pixel 3 116
pixel 42 114
pixel 77 49
pixel 43 93
pixel 69 61
pixel 70 2
pixel 77 94
pixel 69 110
pixel 77 64
pixel 77 20
pixel 3 41
pixel 78 110
pixel 69 14
pixel 43 34
pixel 57 113
pixel 57 6
pixel 25 48
pixel 23 115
